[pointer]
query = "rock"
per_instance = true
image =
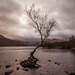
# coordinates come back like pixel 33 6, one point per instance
pixel 72 74
pixel 49 60
pixel 69 73
pixel 16 60
pixel 7 66
pixel 0 67
pixel 17 68
pixel 25 69
pixel 27 64
pixel 57 63
pixel 8 72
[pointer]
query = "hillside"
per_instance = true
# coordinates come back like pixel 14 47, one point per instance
pixel 53 40
pixel 52 43
pixel 8 42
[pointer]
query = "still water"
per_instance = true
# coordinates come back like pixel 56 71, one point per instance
pixel 64 58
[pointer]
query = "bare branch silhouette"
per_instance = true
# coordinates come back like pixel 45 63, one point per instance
pixel 44 25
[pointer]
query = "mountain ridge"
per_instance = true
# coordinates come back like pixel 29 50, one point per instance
pixel 8 42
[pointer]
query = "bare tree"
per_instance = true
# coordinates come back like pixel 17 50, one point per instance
pixel 42 23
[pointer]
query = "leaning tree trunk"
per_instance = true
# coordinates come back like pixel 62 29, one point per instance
pixel 31 62
pixel 32 53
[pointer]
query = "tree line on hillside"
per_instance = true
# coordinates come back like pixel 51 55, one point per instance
pixel 62 45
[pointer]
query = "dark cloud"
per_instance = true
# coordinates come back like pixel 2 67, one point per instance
pixel 10 11
pixel 67 14
pixel 9 7
pixel 11 15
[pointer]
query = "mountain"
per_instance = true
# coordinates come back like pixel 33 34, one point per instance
pixel 53 40
pixel 53 43
pixel 32 42
pixel 8 42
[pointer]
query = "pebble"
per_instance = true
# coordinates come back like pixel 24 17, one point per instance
pixel 7 66
pixel 0 67
pixel 16 60
pixel 57 63
pixel 8 72
pixel 17 68
pixel 49 60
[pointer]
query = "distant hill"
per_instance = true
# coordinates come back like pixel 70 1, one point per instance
pixel 52 43
pixel 53 40
pixel 8 42
pixel 33 42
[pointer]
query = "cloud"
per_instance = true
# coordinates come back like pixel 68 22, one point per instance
pixel 10 12
pixel 13 20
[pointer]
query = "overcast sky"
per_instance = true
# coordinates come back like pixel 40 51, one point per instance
pixel 14 25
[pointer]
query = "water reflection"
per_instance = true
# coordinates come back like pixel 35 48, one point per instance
pixel 65 57
pixel 55 50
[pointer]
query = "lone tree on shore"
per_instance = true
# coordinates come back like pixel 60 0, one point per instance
pixel 42 23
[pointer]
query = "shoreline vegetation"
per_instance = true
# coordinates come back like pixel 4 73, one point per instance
pixel 48 43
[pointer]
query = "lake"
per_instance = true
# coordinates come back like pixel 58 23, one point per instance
pixel 52 61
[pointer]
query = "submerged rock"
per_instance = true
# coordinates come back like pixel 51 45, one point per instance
pixel 0 67
pixel 8 72
pixel 16 60
pixel 30 65
pixel 17 68
pixel 7 66
pixel 69 73
pixel 57 63
pixel 72 74
pixel 49 60
pixel 25 69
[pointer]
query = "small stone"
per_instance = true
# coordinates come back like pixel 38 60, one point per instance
pixel 8 72
pixel 17 68
pixel 72 74
pixel 49 60
pixel 7 66
pixel 16 60
pixel 0 67
pixel 57 63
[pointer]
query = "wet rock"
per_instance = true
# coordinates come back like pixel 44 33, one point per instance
pixel 30 65
pixel 17 68
pixel 16 60
pixel 7 66
pixel 25 69
pixel 69 73
pixel 49 60
pixel 0 67
pixel 8 72
pixel 57 63
pixel 72 74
